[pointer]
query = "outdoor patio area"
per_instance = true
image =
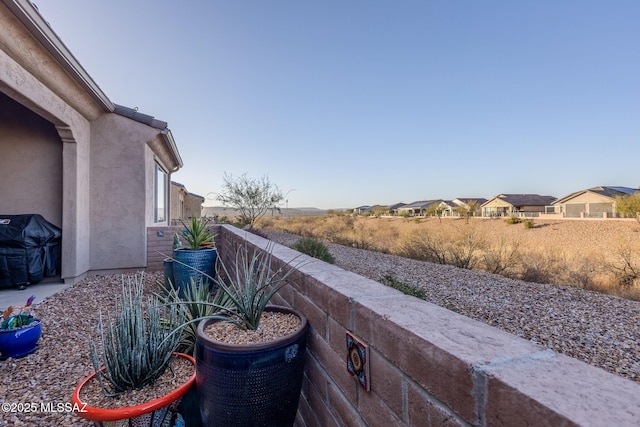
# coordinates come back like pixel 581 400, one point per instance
pixel 427 365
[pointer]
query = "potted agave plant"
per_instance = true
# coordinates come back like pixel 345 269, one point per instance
pixel 250 358
pixel 138 377
pixel 195 260
pixel 194 305
pixel 19 331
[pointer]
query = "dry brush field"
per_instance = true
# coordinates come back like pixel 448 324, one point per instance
pixel 602 255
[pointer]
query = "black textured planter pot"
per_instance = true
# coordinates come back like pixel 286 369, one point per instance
pixel 251 385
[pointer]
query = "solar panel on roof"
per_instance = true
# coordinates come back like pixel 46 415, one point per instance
pixel 625 190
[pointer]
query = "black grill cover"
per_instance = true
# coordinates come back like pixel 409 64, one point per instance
pixel 29 249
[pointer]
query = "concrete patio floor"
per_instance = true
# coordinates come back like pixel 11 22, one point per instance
pixel 42 290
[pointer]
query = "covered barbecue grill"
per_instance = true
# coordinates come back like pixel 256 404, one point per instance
pixel 29 249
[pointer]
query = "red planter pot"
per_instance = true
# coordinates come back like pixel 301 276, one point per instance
pixel 143 411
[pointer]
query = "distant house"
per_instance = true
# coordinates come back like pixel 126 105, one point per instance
pixel 183 203
pixel 360 210
pixel 516 204
pixel 381 210
pixel 596 202
pixel 417 208
pixel 453 208
pixel 449 209
pixel 98 170
pixel 393 209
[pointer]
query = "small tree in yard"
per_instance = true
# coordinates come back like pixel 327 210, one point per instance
pixel 468 210
pixel 435 209
pixel 629 204
pixel 251 197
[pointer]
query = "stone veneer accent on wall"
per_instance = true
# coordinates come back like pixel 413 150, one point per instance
pixel 429 366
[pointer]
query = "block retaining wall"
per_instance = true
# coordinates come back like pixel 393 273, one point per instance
pixel 159 245
pixel 430 366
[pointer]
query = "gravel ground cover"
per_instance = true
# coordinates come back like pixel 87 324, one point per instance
pixel 599 329
pixel 39 386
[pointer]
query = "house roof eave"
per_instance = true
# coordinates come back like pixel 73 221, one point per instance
pixel 167 136
pixel 30 17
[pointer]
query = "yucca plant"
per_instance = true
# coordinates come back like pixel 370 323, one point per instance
pixel 135 345
pixel 196 303
pixel 250 284
pixel 197 233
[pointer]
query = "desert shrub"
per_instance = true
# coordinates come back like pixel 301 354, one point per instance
pixel 465 248
pixel 513 220
pixel 267 222
pixel 528 223
pixel 314 248
pixel 502 257
pixel 221 219
pixel 300 226
pixel 405 288
pixel 458 247
pixel 582 274
pixel 335 229
pixel 424 246
pixel 539 267
pixel 363 237
pixel 385 237
pixel 626 268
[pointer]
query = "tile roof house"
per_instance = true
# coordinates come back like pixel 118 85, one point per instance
pixel 97 170
pixel 516 204
pixel 596 202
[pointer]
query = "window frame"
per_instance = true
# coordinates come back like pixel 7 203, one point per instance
pixel 160 189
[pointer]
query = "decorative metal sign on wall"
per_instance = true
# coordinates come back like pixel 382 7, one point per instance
pixel 358 361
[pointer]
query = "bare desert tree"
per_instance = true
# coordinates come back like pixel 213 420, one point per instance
pixel 252 198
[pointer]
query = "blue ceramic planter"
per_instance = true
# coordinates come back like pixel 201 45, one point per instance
pixel 189 264
pixel 21 341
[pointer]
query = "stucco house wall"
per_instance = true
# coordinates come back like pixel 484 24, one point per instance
pixel 588 203
pixel 120 181
pixel 31 155
pixel 70 155
pixel 193 205
pixel 596 202
pixel 496 206
pixel 520 204
pixel 183 203
pixel 177 200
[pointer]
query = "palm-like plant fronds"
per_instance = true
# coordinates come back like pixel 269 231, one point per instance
pixel 197 233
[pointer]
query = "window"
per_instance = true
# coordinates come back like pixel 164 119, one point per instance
pixel 160 209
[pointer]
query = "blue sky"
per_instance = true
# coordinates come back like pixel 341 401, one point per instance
pixel 348 103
